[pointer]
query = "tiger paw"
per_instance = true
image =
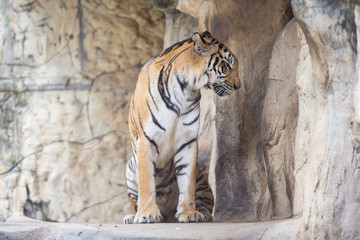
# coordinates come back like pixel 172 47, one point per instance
pixel 129 219
pixel 148 218
pixel 192 216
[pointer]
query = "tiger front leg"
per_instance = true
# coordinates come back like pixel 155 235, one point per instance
pixel 147 211
pixel 185 170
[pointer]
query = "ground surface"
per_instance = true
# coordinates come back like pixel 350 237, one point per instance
pixel 26 228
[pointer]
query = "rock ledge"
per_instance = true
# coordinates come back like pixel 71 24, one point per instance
pixel 27 228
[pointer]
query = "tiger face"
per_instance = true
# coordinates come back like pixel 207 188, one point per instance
pixel 221 64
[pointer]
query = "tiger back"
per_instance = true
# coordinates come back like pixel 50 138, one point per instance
pixel 163 178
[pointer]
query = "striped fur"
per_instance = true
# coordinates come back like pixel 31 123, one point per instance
pixel 163 178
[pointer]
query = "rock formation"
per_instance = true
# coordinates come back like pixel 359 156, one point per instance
pixel 331 193
pixel 67 71
pixel 287 144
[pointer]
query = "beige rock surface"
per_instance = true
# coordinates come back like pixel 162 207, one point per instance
pixel 279 120
pixel 242 190
pixel 304 160
pixel 331 195
pixel 287 116
pixel 67 72
pixel 25 228
pixel 357 85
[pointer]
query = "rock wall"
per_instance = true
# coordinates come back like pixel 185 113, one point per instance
pixel 288 142
pixel 332 193
pixel 67 71
pixel 242 191
pixel 285 145
pixel 286 118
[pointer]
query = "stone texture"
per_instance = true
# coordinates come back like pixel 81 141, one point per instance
pixel 279 120
pixel 331 195
pixel 25 228
pixel 288 143
pixel 357 80
pixel 306 101
pixel 242 191
pixel 2 217
pixel 67 71
pixel 286 116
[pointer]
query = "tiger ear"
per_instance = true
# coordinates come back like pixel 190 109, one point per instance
pixel 206 33
pixel 200 45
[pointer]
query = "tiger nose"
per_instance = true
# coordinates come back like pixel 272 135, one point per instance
pixel 236 86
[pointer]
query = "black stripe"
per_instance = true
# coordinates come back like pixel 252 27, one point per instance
pixel 200 205
pixel 212 55
pixel 167 168
pixel 218 71
pixel 192 122
pixel 202 188
pixel 175 46
pixel 205 200
pixel 148 138
pixel 166 99
pixel 159 193
pixel 215 62
pixel 154 118
pixel 227 65
pixel 163 80
pixel 152 97
pixel 196 100
pixel 182 84
pixel 180 103
pixel 133 190
pixel 192 109
pixel 184 145
pixel 206 33
pixel 166 183
pixel 154 165
pixel 203 40
pixel 221 56
pixel 177 161
pixel 179 168
pixel 132 181
pixel 133 196
pixel 199 177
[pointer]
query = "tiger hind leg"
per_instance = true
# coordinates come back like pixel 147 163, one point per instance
pixel 204 199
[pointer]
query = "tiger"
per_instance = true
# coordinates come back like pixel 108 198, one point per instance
pixel 163 178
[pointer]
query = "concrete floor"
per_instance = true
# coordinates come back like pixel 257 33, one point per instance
pixel 30 229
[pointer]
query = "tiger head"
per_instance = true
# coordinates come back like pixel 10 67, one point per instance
pixel 221 66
